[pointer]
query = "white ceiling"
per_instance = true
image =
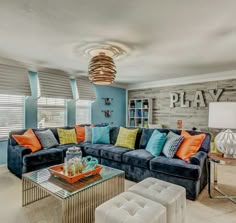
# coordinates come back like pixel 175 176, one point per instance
pixel 164 39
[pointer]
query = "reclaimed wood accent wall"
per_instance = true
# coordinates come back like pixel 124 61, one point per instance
pixel 191 116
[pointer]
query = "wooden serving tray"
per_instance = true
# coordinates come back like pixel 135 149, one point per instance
pixel 58 171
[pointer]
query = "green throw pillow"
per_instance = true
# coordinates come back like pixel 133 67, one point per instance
pixel 126 138
pixel 67 136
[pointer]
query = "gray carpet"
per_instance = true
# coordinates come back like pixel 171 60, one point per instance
pixel 204 210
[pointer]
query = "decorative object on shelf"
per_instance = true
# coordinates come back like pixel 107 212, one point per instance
pixel 222 115
pixel 132 104
pixel 107 101
pixel 107 113
pixel 102 69
pixel 179 124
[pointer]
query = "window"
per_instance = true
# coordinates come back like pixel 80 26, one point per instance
pixel 11 114
pixel 83 112
pixel 51 112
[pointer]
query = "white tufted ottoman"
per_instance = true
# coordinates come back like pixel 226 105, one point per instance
pixel 172 196
pixel 130 208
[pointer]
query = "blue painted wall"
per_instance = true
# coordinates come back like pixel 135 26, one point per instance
pixel 118 105
pixel 3 152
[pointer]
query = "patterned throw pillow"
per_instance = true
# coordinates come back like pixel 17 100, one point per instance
pixel 172 144
pixel 156 143
pixel 101 135
pixel 46 138
pixel 126 138
pixel 67 136
pixel 88 134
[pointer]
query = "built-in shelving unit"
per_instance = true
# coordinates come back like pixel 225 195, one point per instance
pixel 139 112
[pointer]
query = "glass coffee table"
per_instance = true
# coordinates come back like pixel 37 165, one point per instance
pixel 78 200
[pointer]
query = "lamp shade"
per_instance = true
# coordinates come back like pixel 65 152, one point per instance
pixel 222 115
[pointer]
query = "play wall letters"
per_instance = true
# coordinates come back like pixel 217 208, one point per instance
pixel 178 98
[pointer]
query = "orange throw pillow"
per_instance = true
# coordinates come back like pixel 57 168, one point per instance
pixel 190 145
pixel 28 140
pixel 80 132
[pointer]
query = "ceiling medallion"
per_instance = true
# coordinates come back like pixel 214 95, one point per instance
pixel 102 69
pixel 113 49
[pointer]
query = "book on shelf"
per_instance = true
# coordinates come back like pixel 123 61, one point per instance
pixel 139 113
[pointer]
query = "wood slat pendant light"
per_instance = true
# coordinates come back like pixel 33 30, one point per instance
pixel 102 69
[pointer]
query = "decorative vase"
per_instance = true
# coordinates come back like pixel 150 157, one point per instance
pixel 226 143
pixel 73 161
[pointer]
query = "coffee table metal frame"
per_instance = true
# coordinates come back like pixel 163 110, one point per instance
pixel 80 206
pixel 216 160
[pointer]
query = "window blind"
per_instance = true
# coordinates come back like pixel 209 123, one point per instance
pixel 54 85
pixel 11 114
pixel 14 81
pixel 83 112
pixel 85 89
pixel 51 112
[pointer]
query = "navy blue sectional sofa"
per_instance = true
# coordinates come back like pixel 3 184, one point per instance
pixel 138 164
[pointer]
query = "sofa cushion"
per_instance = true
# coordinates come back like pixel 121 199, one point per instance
pixel 43 156
pixel 94 149
pixel 113 153
pixel 190 145
pixel 67 136
pixel 156 143
pixel 146 135
pixel 138 157
pixel 101 135
pixel 28 140
pixel 47 139
pixel 80 133
pixel 172 144
pixel 114 131
pixel 127 138
pixel 175 167
pixel 88 134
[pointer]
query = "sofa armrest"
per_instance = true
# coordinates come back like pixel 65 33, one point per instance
pixel 15 156
pixel 199 158
pixel 21 150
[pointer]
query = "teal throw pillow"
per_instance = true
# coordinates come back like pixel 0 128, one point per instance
pixel 156 143
pixel 172 144
pixel 101 135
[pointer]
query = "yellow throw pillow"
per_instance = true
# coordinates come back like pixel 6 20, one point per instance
pixel 67 136
pixel 126 138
